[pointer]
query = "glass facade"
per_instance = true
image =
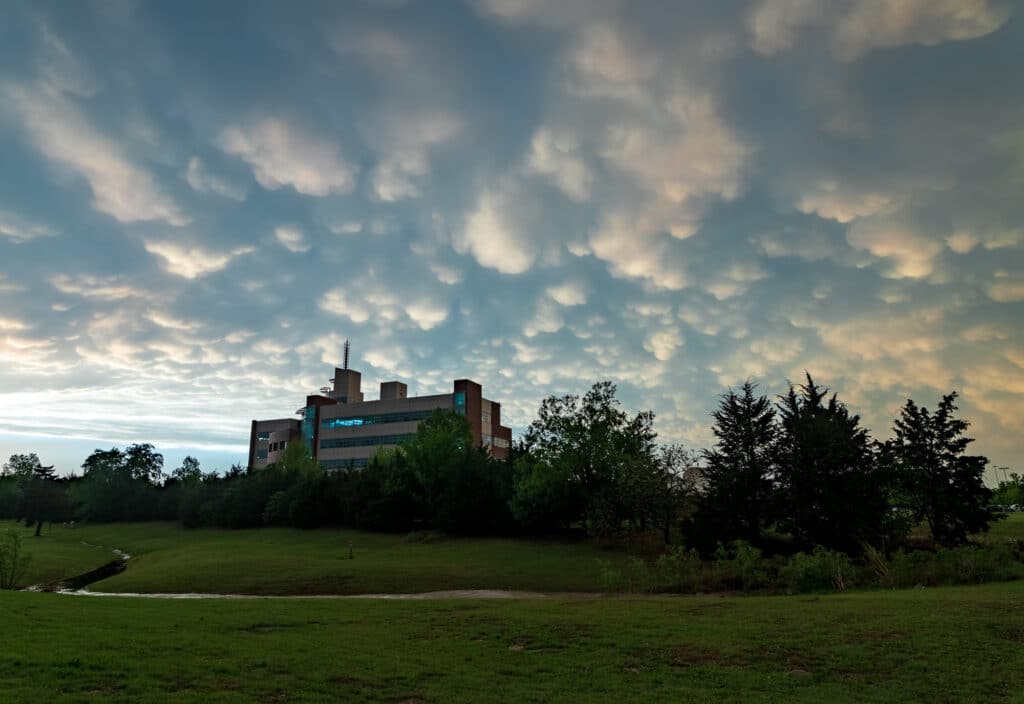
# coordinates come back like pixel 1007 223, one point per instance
pixel 308 426
pixel 357 421
pixel 363 442
pixel 460 403
pixel 261 454
pixel 263 436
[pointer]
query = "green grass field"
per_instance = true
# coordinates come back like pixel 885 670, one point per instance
pixel 959 644
pixel 284 561
pixel 167 558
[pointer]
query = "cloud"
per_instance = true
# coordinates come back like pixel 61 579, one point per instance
pixel 368 300
pixel 291 238
pixel 1006 291
pixel 192 262
pixel 18 229
pixel 829 200
pixel 909 253
pixel 493 238
pixel 120 188
pixel 546 318
pixel 281 155
pixel 352 227
pixel 663 343
pixel 859 26
pixel 108 288
pixel 571 293
pixel 203 181
pixel 557 157
pixel 877 24
pixel 405 139
pixel 735 280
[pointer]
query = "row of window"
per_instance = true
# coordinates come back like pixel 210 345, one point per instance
pixel 263 436
pixel 374 419
pixel 357 463
pixel 363 442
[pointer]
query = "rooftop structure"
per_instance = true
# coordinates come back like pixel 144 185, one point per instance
pixel 344 431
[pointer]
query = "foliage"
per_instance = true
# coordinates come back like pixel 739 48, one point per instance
pixel 939 482
pixel 821 570
pixel 588 456
pixel 120 485
pixel 832 492
pixel 739 470
pixel 43 499
pixel 14 561
pixel 1009 492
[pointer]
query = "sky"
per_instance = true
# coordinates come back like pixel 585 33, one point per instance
pixel 200 202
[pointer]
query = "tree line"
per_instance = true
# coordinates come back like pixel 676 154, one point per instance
pixel 786 474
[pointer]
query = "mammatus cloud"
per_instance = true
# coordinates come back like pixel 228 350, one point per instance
pixel 907 252
pixel 291 238
pixel 120 188
pixel 369 300
pixel 405 140
pixel 859 26
pixel 18 229
pixel 493 237
pixel 282 155
pixel 191 261
pixel 200 179
pixel 557 157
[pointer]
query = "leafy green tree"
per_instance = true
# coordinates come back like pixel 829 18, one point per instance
pixel 1010 492
pixel 583 450
pixel 942 484
pixel 189 471
pixel 43 499
pixel 832 490
pixel 739 470
pixel 21 466
pixel 143 462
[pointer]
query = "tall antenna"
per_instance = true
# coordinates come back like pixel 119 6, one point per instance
pixel 346 354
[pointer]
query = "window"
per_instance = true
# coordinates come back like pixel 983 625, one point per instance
pixel 364 442
pixel 263 436
pixel 485 418
pixel 375 419
pixel 356 463
pixel 486 440
pixel 460 403
pixel 261 454
pixel 500 442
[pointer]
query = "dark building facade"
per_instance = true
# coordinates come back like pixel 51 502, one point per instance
pixel 344 431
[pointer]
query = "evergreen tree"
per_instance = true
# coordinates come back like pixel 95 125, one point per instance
pixel 941 484
pixel 739 471
pixel 832 490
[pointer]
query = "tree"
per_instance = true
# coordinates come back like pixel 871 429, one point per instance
pixel 941 484
pixel 142 462
pixel 21 466
pixel 832 491
pixel 739 470
pixel 579 452
pixel 189 471
pixel 43 499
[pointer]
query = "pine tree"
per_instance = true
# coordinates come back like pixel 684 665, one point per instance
pixel 832 489
pixel 739 470
pixel 941 484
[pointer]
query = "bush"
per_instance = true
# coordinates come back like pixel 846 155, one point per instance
pixel 970 564
pixel 822 570
pixel 13 561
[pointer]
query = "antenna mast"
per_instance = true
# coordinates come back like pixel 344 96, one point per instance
pixel 346 354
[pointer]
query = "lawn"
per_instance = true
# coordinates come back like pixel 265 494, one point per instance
pixel 167 558
pixel 58 553
pixel 947 644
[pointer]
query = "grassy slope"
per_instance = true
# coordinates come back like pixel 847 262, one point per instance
pixel 166 558
pixel 58 553
pixel 950 644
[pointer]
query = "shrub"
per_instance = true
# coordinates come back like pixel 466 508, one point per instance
pixel 13 561
pixel 822 570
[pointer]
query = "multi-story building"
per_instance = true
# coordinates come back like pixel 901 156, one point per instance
pixel 344 431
